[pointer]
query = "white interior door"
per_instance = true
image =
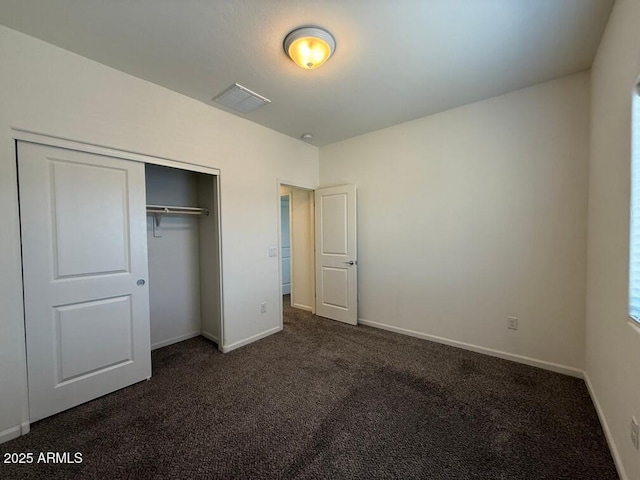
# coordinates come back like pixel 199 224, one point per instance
pixel 336 254
pixel 83 222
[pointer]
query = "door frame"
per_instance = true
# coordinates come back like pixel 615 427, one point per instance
pixel 300 186
pixel 69 144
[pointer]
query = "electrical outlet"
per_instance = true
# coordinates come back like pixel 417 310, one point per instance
pixel 273 251
pixel 512 323
pixel 263 307
pixel 634 433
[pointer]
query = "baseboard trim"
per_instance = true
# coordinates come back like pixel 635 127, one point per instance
pixel 11 433
pixel 306 308
pixel 247 341
pixel 171 341
pixel 533 362
pixel 210 336
pixel 607 431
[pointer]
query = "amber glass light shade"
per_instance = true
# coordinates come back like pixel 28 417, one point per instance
pixel 309 47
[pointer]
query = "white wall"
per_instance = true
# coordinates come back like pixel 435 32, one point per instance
pixel 612 343
pixel 174 257
pixel 472 215
pixel 48 90
pixel 302 248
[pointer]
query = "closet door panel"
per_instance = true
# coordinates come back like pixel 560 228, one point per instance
pixel 83 222
pixel 79 231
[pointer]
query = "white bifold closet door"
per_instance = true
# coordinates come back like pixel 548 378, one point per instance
pixel 83 222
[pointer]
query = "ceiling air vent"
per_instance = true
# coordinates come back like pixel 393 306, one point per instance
pixel 240 99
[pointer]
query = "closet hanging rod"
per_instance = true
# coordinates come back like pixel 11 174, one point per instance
pixel 159 210
pixel 168 210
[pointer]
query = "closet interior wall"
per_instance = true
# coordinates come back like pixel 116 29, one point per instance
pixel 183 257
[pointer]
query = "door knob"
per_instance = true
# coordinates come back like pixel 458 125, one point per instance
pixel 350 262
pixel 140 282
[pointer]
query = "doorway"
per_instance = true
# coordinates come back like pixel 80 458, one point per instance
pixel 322 249
pixel 297 247
pixel 182 244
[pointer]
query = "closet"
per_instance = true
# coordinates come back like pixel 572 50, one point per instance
pixel 120 254
pixel 182 250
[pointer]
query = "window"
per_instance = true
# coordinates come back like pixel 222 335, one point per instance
pixel 634 236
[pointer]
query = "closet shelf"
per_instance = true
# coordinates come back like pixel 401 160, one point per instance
pixel 158 211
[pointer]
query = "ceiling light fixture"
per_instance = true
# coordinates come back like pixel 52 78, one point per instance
pixel 309 47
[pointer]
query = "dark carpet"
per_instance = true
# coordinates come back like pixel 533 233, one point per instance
pixel 323 400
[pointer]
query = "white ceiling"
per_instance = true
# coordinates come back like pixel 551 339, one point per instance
pixel 396 60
